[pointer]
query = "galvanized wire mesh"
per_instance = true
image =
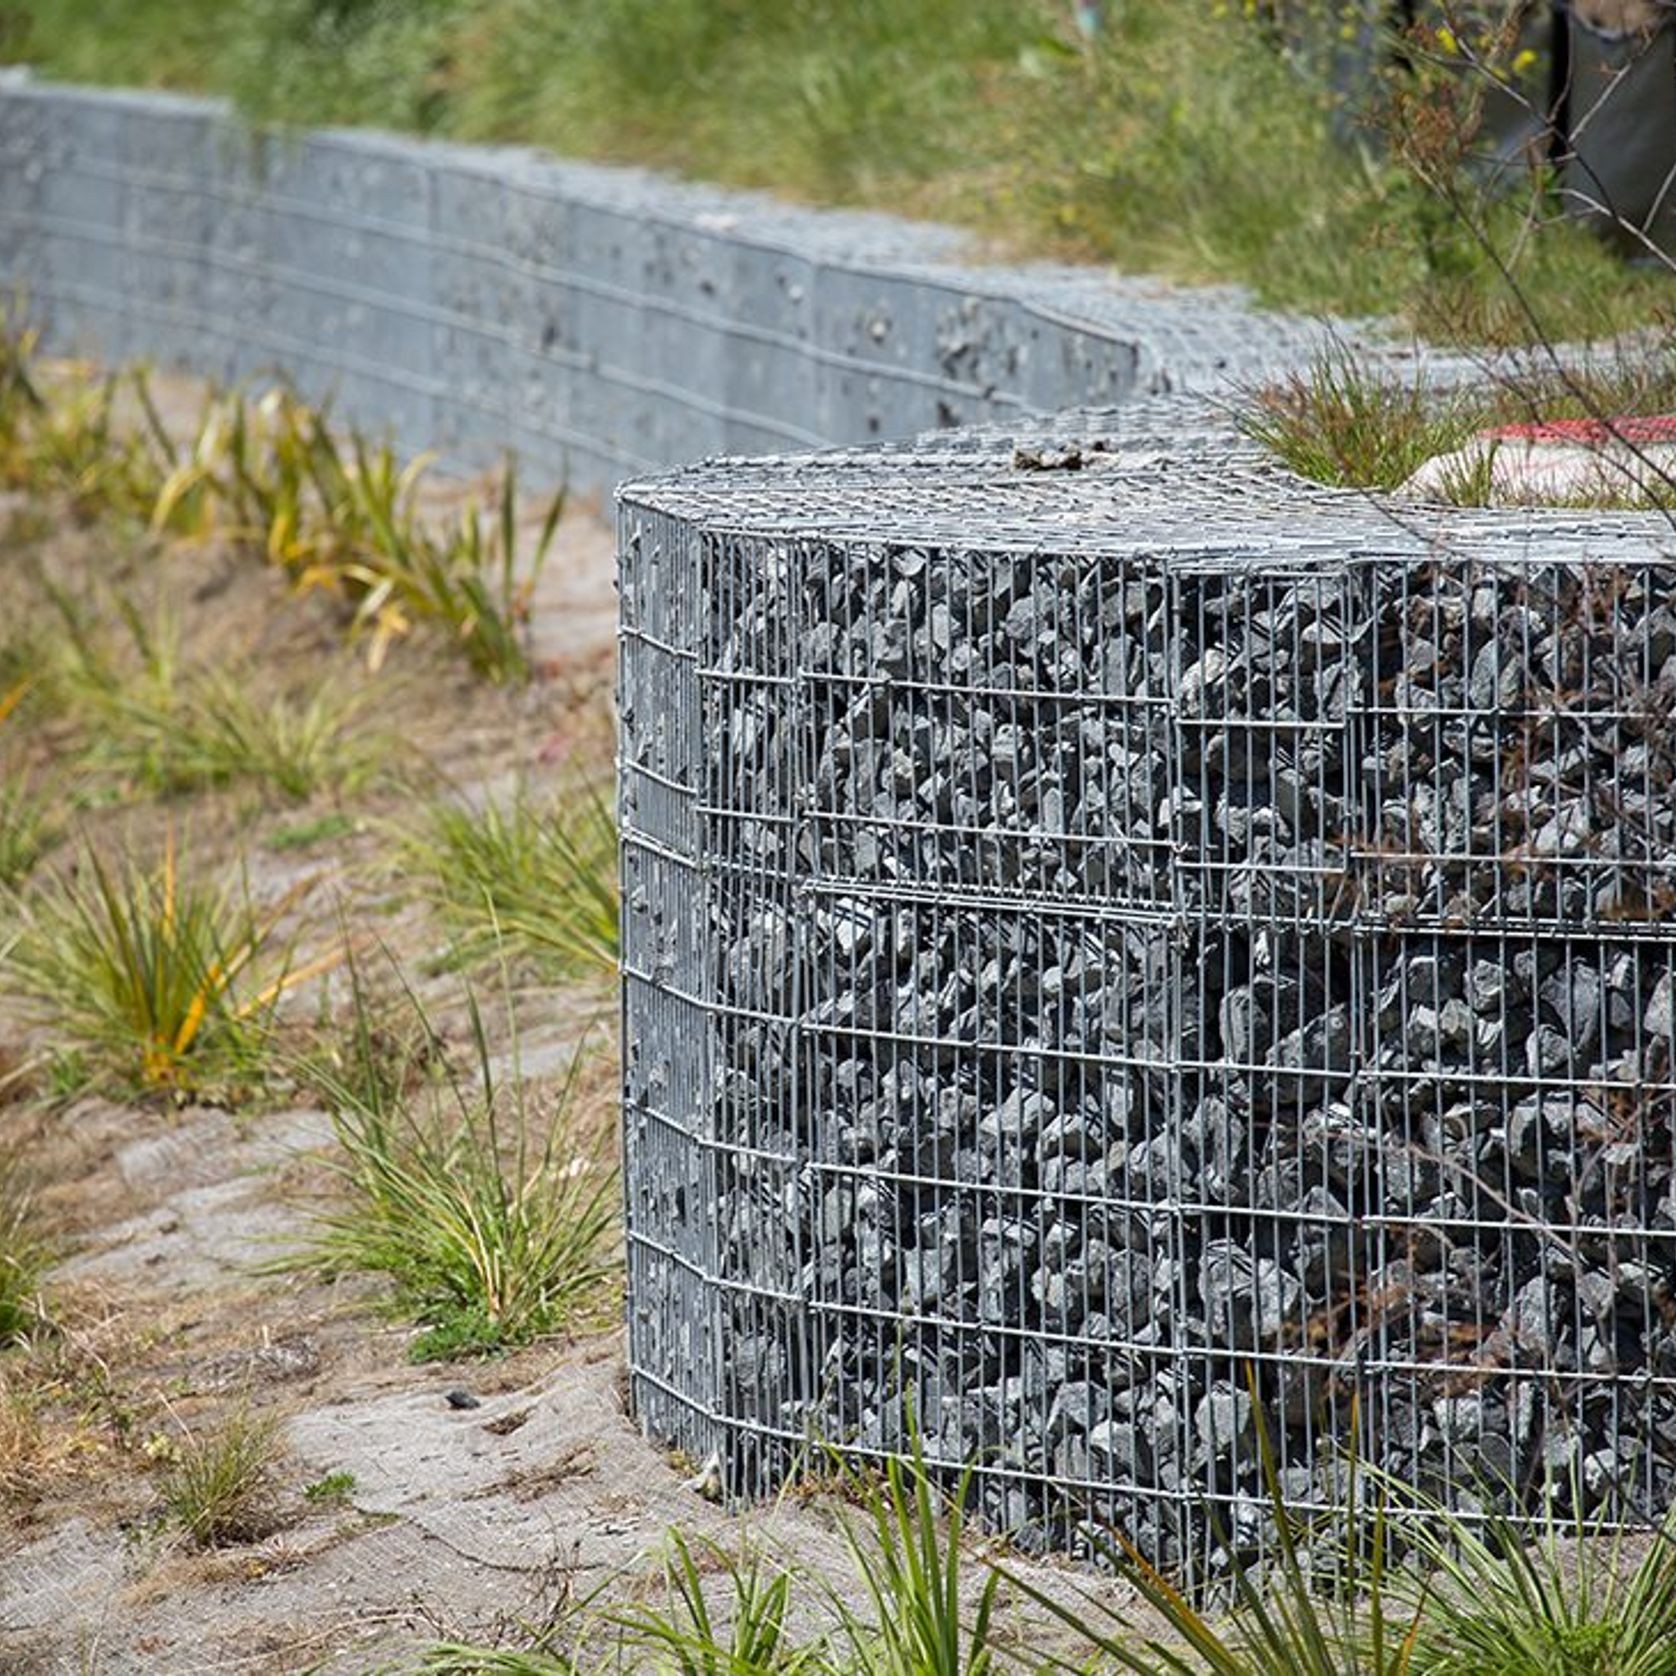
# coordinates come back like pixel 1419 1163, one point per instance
pixel 1109 929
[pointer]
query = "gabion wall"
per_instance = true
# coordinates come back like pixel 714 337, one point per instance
pixel 603 322
pixel 1105 923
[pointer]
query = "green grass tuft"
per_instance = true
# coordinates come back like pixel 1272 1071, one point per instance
pixel 1345 422
pixel 538 878
pixel 488 1215
pixel 25 1255
pixel 219 1487
pixel 28 804
pixel 1568 1598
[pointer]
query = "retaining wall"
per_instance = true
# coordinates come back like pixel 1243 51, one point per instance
pixel 601 321
pixel 1106 923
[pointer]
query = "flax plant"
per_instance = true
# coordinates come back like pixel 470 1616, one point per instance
pixel 1570 1597
pixel 347 517
pixel 906 1551
pixel 148 972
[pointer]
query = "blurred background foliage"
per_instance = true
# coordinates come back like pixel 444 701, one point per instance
pixel 1197 139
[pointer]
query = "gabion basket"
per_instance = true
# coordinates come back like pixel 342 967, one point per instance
pixel 1124 949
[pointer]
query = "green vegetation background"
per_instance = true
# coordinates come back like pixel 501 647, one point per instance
pixel 1177 141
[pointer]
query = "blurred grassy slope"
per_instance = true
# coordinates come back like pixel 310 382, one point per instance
pixel 1177 142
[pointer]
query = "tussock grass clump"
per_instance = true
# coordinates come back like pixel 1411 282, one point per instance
pixel 483 1206
pixel 537 877
pixel 1345 422
pixel 906 1550
pixel 25 1255
pixel 220 733
pixel 147 971
pixel 212 730
pixel 218 1486
pixel 750 1632
pixel 173 730
pixel 28 809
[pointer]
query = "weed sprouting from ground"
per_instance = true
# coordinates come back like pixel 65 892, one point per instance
pixel 482 1205
pixel 218 1485
pixel 146 970
pixel 538 877
pixel 306 834
pixel 333 1490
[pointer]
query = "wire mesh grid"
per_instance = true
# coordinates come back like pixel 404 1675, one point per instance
pixel 1118 956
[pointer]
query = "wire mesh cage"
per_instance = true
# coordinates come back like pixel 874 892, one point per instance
pixel 1123 950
